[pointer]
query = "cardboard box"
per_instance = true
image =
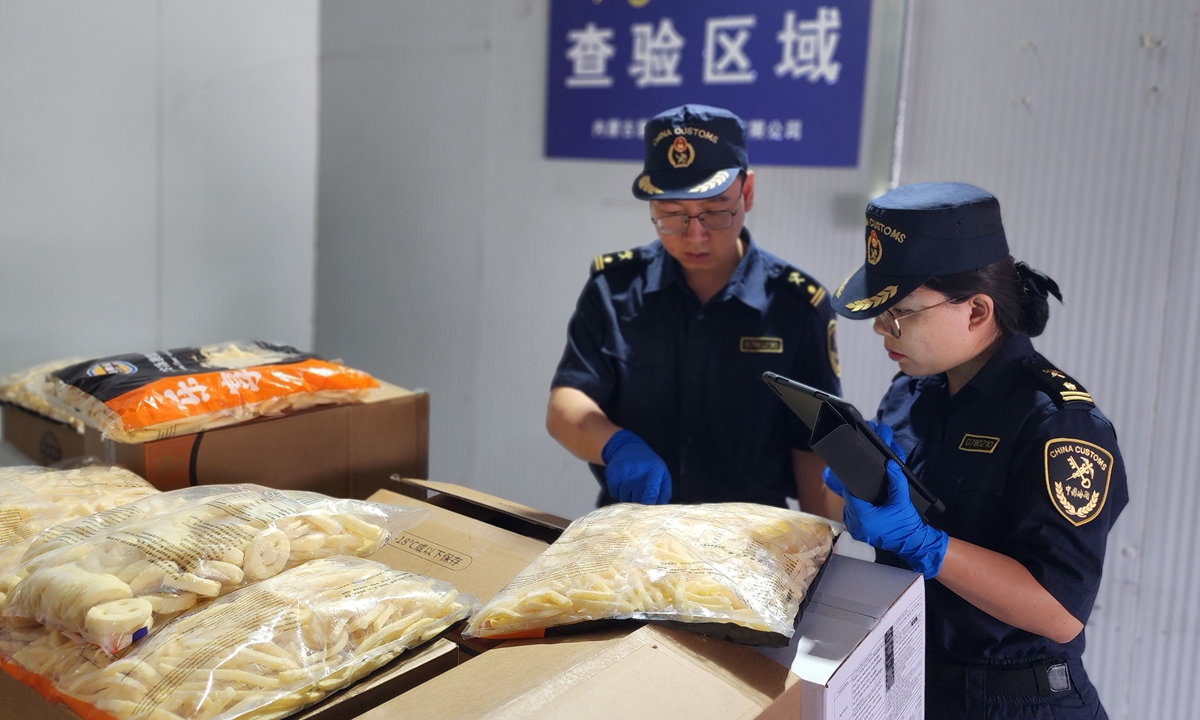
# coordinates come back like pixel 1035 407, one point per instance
pixel 482 506
pixel 476 557
pixel 404 673
pixel 340 450
pixel 860 648
pixel 43 440
pixel 649 672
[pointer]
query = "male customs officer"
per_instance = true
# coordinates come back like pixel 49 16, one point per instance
pixel 659 387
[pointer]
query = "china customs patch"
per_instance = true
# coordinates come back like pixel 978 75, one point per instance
pixel 1077 474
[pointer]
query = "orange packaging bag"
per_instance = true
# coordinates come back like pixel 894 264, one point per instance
pixel 138 398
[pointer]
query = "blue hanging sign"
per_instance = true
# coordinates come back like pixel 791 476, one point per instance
pixel 793 70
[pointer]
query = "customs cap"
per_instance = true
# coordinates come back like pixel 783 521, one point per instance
pixel 692 152
pixel 918 232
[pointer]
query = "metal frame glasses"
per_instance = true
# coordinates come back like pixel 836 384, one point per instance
pixel 677 223
pixel 891 321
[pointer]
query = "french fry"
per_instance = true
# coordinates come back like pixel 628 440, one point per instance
pixel 738 563
pixel 316 628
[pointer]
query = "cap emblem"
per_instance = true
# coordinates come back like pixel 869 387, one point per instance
pixel 874 301
pixel 874 249
pixel 681 153
pixel 647 187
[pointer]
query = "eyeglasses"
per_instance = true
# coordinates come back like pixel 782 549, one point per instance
pixel 891 321
pixel 677 223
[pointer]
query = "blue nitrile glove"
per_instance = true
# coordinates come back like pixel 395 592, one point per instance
pixel 896 527
pixel 634 472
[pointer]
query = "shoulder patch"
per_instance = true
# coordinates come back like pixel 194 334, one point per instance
pixel 1077 474
pixel 1057 384
pixel 831 346
pixel 806 286
pixel 602 262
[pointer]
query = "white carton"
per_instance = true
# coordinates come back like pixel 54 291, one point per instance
pixel 860 648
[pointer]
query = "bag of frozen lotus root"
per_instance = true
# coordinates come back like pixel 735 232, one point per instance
pixel 30 389
pixel 33 499
pixel 112 588
pixel 137 398
pixel 264 651
pixel 72 532
pixel 738 571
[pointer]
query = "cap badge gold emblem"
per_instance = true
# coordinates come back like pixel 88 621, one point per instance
pixel 874 249
pixel 681 153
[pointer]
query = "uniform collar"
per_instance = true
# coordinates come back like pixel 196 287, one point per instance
pixel 995 379
pixel 748 282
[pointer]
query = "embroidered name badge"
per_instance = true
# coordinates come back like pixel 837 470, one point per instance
pixel 1077 474
pixel 979 443
pixel 762 345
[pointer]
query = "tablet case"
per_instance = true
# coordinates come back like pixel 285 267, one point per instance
pixel 848 445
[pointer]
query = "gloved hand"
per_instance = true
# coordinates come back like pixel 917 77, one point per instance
pixel 634 472
pixel 896 527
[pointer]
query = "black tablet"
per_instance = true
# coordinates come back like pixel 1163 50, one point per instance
pixel 848 445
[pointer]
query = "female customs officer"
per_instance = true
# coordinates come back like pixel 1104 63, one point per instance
pixel 1027 466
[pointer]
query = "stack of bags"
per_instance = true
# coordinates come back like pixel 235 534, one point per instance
pixel 215 601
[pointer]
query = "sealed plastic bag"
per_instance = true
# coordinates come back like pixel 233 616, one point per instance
pixel 30 389
pixel 73 532
pixel 137 398
pixel 33 499
pixel 716 567
pixel 264 651
pixel 112 588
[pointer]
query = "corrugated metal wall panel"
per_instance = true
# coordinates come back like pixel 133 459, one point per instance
pixel 1164 647
pixel 1075 120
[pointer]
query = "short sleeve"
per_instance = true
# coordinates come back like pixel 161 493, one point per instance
pixel 584 366
pixel 816 365
pixel 1066 490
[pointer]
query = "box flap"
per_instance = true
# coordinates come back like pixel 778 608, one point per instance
pixel 848 604
pixel 578 677
pixel 429 489
pixel 474 556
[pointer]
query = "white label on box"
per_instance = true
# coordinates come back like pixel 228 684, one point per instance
pixel 885 678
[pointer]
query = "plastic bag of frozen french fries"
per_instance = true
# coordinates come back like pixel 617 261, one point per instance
pixel 112 588
pixel 137 398
pixel 33 499
pixel 736 570
pixel 261 652
pixel 30 389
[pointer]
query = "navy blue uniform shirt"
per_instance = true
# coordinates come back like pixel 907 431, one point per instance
pixel 1028 467
pixel 686 377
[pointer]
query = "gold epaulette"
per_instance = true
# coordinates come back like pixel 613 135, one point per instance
pixel 1058 385
pixel 806 286
pixel 603 262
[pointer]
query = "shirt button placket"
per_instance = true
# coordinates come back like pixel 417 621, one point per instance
pixel 693 375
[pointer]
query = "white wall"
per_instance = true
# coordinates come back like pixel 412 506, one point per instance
pixel 451 253
pixel 157 174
